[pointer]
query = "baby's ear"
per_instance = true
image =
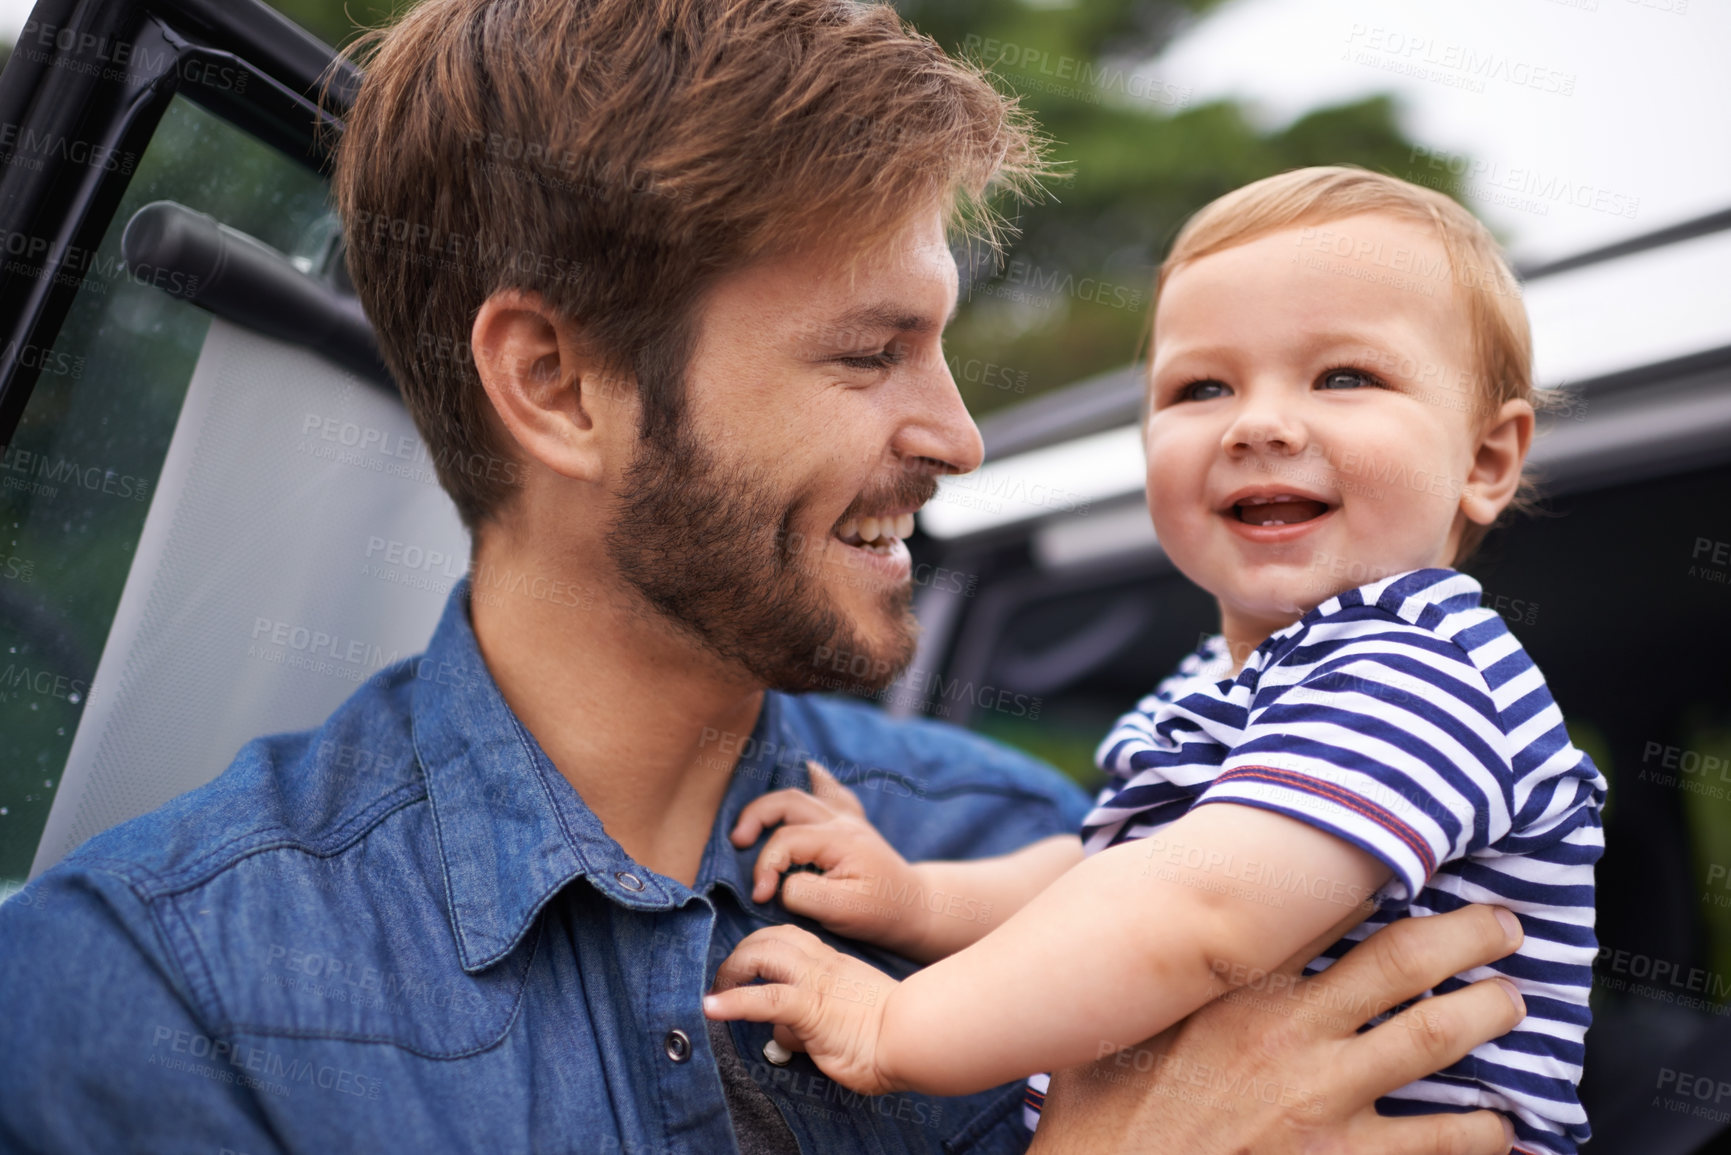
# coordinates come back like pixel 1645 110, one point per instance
pixel 1495 475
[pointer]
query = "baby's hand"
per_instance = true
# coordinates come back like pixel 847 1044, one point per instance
pixel 822 1001
pixel 867 891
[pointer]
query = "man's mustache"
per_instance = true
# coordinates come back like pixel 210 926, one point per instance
pixel 906 490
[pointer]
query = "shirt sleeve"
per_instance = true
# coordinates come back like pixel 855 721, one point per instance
pixel 103 1052
pixel 1382 734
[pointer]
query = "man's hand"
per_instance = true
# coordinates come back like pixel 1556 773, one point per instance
pixel 863 876
pixel 821 1001
pixel 1268 1071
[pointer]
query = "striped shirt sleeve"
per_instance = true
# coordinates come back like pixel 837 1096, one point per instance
pixel 1382 734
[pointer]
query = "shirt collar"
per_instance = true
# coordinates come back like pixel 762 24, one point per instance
pixel 512 831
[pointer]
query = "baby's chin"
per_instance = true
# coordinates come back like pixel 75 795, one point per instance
pixel 1272 608
pixel 1276 599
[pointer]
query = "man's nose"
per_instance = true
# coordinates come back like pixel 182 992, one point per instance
pixel 938 426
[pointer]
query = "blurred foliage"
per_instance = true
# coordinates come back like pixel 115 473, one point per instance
pixel 1070 298
pixel 337 22
pixel 1706 739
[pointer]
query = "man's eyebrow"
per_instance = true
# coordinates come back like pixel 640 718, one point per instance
pixel 891 317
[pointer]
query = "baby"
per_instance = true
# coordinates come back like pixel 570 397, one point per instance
pixel 1340 403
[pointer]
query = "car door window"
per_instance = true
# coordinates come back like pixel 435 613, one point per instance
pixel 77 478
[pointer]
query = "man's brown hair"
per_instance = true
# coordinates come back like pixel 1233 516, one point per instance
pixel 617 157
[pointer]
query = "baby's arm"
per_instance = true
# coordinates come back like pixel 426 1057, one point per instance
pixel 867 891
pixel 1121 947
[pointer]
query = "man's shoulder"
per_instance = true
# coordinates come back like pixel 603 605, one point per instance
pixel 274 899
pixel 314 790
pixel 920 772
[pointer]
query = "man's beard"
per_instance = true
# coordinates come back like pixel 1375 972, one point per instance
pixel 708 546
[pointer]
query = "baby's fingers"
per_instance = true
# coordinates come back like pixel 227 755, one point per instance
pixel 762 1003
pixel 781 954
pixel 780 807
pixel 822 846
pixel 826 787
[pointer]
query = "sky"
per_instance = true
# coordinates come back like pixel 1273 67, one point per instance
pixel 1623 106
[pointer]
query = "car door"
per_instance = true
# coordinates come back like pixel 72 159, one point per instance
pixel 215 515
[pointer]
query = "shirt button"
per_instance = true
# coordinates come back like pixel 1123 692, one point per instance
pixel 629 881
pixel 678 1045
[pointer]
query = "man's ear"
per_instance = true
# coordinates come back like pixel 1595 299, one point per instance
pixel 550 394
pixel 1496 470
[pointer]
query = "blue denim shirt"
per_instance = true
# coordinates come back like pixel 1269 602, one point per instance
pixel 405 931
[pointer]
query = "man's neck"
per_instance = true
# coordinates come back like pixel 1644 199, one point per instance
pixel 619 702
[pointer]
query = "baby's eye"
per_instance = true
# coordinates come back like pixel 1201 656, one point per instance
pixel 1346 379
pixel 1204 389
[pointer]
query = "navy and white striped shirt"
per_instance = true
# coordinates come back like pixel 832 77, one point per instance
pixel 1406 719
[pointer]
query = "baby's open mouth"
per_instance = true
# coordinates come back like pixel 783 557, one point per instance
pixel 1283 509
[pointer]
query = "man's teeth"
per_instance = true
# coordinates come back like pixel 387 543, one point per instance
pixel 864 530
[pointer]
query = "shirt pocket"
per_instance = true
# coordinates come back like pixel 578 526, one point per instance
pixel 269 954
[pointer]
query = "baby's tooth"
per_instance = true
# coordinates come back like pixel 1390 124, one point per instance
pixel 868 528
pixel 848 529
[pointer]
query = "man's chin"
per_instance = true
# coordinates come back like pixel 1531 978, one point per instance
pixel 854 662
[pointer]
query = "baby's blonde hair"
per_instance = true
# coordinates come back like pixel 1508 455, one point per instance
pixel 1502 343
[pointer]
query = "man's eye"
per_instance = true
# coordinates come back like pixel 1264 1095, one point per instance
pixel 1347 379
pixel 882 359
pixel 1202 389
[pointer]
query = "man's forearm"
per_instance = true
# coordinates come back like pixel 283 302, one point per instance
pixel 1145 1100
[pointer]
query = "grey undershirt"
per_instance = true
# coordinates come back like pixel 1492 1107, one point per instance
pixel 757 1125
